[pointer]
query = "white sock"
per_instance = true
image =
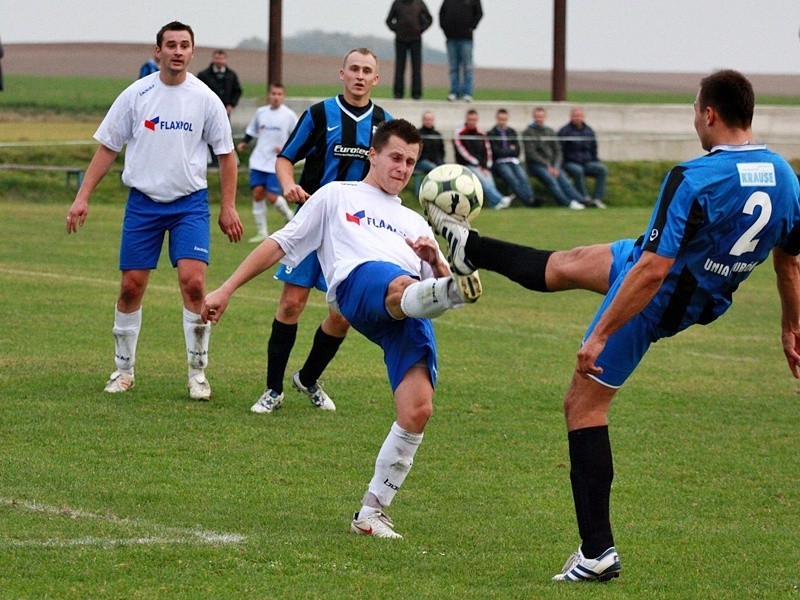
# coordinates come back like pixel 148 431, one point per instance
pixel 260 216
pixel 198 335
pixel 394 461
pixel 283 207
pixel 430 298
pixel 126 335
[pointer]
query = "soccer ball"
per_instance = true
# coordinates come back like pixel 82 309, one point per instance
pixel 454 189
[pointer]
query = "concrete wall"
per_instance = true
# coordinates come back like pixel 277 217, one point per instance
pixel 624 131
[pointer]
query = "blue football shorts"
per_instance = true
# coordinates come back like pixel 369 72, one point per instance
pixel 307 274
pixel 147 221
pixel 625 349
pixel 265 180
pixel 405 342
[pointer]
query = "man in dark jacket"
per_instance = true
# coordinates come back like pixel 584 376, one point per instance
pixel 1 68
pixel 432 154
pixel 579 145
pixel 224 83
pixel 408 19
pixel 506 166
pixel 458 19
pixel 222 80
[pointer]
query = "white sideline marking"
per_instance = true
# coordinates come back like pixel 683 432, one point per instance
pixel 163 534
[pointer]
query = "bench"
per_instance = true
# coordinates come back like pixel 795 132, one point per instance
pixel 71 172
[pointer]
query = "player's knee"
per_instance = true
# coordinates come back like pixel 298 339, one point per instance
pixel 416 417
pixel 290 309
pixel 335 325
pixel 193 286
pixel 131 291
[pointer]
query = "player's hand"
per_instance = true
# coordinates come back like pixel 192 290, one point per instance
pixel 76 216
pixel 241 146
pixel 230 224
pixel 296 194
pixel 587 356
pixel 791 349
pixel 426 249
pixel 214 305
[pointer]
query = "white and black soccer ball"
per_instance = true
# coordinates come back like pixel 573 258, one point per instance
pixel 454 189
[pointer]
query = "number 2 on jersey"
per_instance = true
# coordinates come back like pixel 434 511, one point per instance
pixel 748 241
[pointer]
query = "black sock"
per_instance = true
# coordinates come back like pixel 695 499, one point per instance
pixel 591 473
pixel 521 264
pixel 279 348
pixel 322 352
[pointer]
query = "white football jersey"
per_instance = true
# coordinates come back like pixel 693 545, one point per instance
pixel 350 223
pixel 271 128
pixel 167 129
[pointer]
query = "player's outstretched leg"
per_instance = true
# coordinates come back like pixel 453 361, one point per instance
pixel 455 232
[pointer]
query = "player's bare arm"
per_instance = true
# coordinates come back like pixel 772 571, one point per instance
pixel 101 162
pixel 787 271
pixel 229 221
pixel 264 256
pixel 284 171
pixel 639 287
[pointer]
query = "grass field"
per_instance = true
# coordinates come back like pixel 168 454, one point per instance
pixel 150 495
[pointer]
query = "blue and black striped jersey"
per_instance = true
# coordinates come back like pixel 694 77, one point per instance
pixel 719 216
pixel 334 139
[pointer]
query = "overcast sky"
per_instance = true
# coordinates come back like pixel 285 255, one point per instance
pixel 754 36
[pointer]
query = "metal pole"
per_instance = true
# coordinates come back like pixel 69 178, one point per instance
pixel 275 44
pixel 559 89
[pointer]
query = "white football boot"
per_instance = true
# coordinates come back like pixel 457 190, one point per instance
pixel 377 524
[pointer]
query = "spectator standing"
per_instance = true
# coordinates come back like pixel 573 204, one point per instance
pixel 166 120
pixel 543 158
pixel 270 127
pixel 458 19
pixel 432 154
pixel 579 146
pixel 390 286
pixel 224 82
pixel 334 137
pixel 1 66
pixel 151 66
pixel 506 150
pixel 473 150
pixel 408 19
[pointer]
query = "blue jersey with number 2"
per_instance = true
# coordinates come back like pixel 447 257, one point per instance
pixel 718 216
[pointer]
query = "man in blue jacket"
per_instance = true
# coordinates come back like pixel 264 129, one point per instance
pixel 580 158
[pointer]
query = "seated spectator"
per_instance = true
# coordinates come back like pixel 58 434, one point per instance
pixel 505 149
pixel 579 146
pixel 474 151
pixel 543 158
pixel 432 154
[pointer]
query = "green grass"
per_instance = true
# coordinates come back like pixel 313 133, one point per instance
pixel 105 497
pixel 92 95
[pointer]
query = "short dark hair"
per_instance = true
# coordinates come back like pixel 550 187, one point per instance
pixel 399 127
pixel 174 26
pixel 362 50
pixel 730 94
